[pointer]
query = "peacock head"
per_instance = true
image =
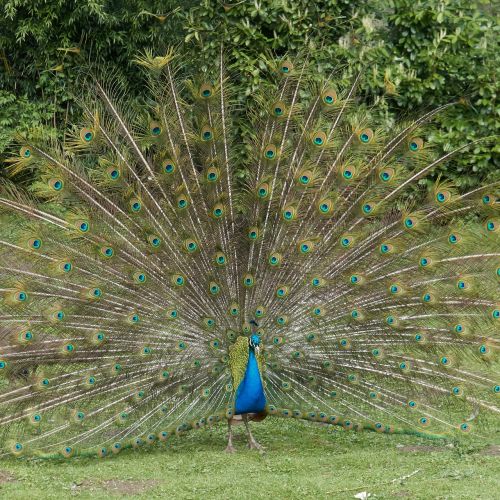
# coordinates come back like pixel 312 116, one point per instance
pixel 254 342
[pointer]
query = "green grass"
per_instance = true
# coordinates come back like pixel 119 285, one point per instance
pixel 302 460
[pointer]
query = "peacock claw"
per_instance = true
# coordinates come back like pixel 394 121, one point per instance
pixel 253 445
pixel 230 449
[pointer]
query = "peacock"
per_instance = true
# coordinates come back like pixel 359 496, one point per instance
pixel 165 269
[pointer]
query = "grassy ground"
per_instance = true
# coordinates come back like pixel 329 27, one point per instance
pixel 302 460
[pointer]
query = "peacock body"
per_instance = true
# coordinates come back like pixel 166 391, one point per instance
pixel 146 291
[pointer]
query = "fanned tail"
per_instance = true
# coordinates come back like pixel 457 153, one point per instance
pixel 136 258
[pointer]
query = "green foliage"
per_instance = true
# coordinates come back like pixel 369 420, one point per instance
pixel 415 54
pixel 43 44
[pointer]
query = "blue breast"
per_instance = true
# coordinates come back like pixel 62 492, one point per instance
pixel 250 396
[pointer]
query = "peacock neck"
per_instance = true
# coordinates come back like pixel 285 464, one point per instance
pixel 250 396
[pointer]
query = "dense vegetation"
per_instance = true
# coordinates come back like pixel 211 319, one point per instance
pixel 415 54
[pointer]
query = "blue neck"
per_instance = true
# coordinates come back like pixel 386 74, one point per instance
pixel 250 396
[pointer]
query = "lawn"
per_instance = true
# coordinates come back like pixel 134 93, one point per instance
pixel 303 460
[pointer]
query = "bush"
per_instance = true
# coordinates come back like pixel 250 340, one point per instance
pixel 414 54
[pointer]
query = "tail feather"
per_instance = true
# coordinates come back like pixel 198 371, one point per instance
pixel 137 257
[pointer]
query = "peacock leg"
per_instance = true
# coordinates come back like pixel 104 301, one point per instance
pixel 230 448
pixel 252 443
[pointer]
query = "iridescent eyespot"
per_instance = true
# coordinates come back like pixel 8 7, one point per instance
pixel 404 366
pixel 139 277
pixel 35 243
pixel 25 337
pixel 190 245
pixel 355 279
pixel 212 174
pixel 286 67
pixel 275 259
pixel 349 173
pixel 425 261
pixel 248 280
pixel 305 178
pixel 206 134
pixel 56 184
pixel 386 248
pixel 329 97
pixel 368 208
pixel 113 173
pixel 25 152
pixel 305 247
pixel 488 199
pixel 445 361
pixel 410 222
pixel 270 152
pixel 206 91
pixel 218 211
pixel 107 252
pixel 282 291
pixel 220 259
pixel 484 350
pixel 155 129
pixel 182 202
pixel 282 320
pixel 289 213
pixel 391 320
pixel 492 225
pixel 214 288
pixel 318 138
pixel 386 174
pixel 169 166
pixel 263 190
pixel 346 241
pixel 415 144
pixel 317 282
pixel 154 240
pixel 366 135
pixel 278 109
pixel 82 225
pixel 253 233
pixel 443 196
pixel 260 312
pixel 318 311
pixel 69 348
pixel 325 207
pixel 178 280
pixel 86 135
pixel 58 315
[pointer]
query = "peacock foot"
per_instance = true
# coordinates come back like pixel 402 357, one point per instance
pixel 230 449
pixel 254 445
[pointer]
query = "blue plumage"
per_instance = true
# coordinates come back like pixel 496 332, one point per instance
pixel 250 396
